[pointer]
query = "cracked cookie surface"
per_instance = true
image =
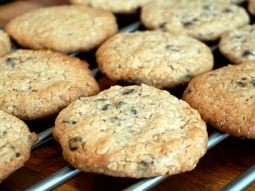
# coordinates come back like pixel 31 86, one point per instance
pixel 66 28
pixel 239 45
pixel 38 84
pixel 5 43
pixel 156 58
pixel 116 6
pixel 225 98
pixel 15 144
pixel 132 131
pixel 205 20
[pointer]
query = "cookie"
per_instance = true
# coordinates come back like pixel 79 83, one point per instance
pixel 251 7
pixel 155 58
pixel 15 144
pixel 238 45
pixel 66 28
pixel 224 98
pixel 116 6
pixel 205 20
pixel 39 83
pixel 5 43
pixel 132 131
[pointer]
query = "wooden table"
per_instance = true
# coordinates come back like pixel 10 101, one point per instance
pixel 218 167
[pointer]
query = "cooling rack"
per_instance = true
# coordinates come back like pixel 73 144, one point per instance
pixel 68 172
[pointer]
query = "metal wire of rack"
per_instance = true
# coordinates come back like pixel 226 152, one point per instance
pixel 68 172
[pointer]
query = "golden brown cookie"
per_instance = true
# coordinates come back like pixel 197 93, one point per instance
pixel 205 20
pixel 156 58
pixel 39 84
pixel 132 131
pixel 66 28
pixel 225 98
pixel 238 45
pixel 15 144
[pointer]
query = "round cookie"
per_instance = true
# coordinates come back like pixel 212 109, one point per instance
pixel 15 144
pixel 238 45
pixel 156 58
pixel 132 131
pixel 116 6
pixel 205 20
pixel 66 28
pixel 38 84
pixel 225 98
pixel 251 7
pixel 5 43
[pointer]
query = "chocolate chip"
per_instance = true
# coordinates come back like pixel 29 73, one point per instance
pixel 188 24
pixel 239 38
pixel 75 142
pixel 173 48
pixel 128 91
pixel 209 7
pixel 116 121
pixel 241 84
pixel 11 61
pixel 106 107
pixel 17 154
pixel 253 83
pixel 188 91
pixel 101 100
pixel 120 104
pixel 70 122
pixel 248 53
pixel 188 76
pixel 29 58
pixel 83 99
pixel 147 164
pixel 244 78
pixel 34 90
pixel 12 147
pixel 134 112
pixel 227 10
pixel 163 25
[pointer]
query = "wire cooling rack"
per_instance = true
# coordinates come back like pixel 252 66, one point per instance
pixel 68 172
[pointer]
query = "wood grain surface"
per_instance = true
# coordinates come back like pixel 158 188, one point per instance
pixel 218 167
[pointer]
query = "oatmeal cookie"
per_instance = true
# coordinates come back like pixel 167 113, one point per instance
pixel 225 98
pixel 15 144
pixel 131 131
pixel 156 58
pixel 65 28
pixel 39 83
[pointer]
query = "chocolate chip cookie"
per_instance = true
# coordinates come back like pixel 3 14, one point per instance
pixel 65 28
pixel 156 58
pixel 225 98
pixel 205 20
pixel 38 84
pixel 5 43
pixel 15 144
pixel 132 131
pixel 116 6
pixel 239 45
